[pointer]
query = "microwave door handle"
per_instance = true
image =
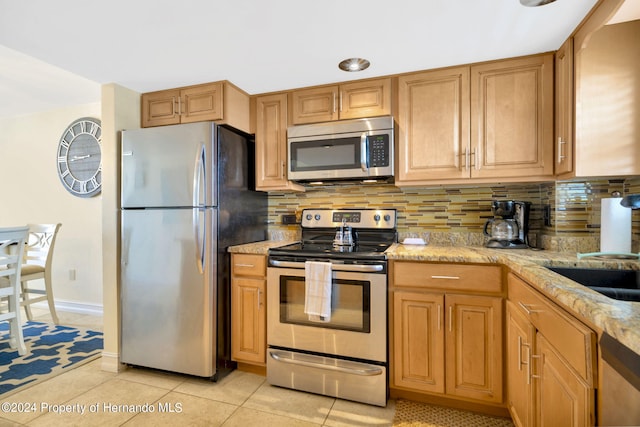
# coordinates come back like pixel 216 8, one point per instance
pixel 364 151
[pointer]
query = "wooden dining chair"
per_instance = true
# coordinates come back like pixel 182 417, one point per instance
pixel 38 256
pixel 12 242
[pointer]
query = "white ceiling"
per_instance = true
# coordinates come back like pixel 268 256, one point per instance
pixel 57 53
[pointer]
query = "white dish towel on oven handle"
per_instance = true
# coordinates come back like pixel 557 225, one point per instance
pixel 317 290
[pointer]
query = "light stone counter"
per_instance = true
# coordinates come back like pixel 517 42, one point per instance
pixel 620 319
pixel 258 248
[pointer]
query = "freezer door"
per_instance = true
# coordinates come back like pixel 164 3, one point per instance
pixel 168 290
pixel 169 166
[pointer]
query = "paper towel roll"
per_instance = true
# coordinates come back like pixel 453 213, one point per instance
pixel 615 226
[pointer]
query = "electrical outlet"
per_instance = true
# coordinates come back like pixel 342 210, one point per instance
pixel 546 215
pixel 72 274
pixel 289 219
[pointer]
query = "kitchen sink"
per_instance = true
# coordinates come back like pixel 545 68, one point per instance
pixel 622 285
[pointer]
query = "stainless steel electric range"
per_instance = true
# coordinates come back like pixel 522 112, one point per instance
pixel 343 352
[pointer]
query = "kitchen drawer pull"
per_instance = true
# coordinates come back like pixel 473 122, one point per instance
pixel 533 356
pixel 446 277
pixel 527 362
pixel 244 265
pixel 528 310
pixel 560 156
pixel 304 360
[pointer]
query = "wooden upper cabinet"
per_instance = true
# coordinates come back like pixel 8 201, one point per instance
pixel 360 99
pixel 160 108
pixel 271 144
pixel 512 118
pixel 314 105
pixel 607 91
pixel 433 125
pixel 220 101
pixel 202 103
pixel 480 122
pixel 368 98
pixel 564 109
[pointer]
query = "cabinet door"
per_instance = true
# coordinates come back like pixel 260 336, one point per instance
pixel 200 103
pixel 433 125
pixel 512 118
pixel 418 350
pixel 314 105
pixel 564 109
pixel 160 108
pixel 248 313
pixel 520 336
pixel 474 347
pixel 369 98
pixel 271 144
pixel 563 397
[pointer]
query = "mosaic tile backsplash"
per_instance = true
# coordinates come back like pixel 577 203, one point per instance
pixel 456 215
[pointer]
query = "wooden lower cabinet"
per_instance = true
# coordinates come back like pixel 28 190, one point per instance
pixel 248 309
pixel 551 362
pixel 418 345
pixel 520 335
pixel 447 342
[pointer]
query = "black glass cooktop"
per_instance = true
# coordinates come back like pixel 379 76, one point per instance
pixel 372 251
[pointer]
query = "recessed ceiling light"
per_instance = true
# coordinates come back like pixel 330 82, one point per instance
pixel 534 3
pixel 354 64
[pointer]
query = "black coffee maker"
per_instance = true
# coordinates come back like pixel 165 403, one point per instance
pixel 509 228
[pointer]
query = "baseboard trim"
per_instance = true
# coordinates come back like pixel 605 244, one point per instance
pixel 73 307
pixel 111 362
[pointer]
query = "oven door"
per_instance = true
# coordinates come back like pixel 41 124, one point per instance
pixel 358 323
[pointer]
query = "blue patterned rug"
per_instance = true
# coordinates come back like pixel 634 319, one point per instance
pixel 52 349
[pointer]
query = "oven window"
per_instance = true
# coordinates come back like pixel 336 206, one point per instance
pixel 350 308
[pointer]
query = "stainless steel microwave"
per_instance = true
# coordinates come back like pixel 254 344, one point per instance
pixel 359 149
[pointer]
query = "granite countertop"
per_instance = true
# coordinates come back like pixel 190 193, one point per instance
pixel 620 319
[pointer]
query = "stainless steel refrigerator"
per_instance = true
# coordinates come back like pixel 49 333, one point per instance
pixel 186 197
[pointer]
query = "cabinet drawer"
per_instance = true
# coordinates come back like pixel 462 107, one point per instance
pixel 573 340
pixel 456 277
pixel 248 265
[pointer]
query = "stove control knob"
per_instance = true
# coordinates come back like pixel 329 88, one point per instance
pixel 317 217
pixel 376 217
pixel 309 217
pixel 387 217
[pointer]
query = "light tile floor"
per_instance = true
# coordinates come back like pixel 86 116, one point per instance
pixel 140 397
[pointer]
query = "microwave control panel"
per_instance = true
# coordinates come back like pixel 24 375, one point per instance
pixel 378 150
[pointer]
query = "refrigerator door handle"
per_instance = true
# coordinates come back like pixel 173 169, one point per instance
pixel 199 177
pixel 199 181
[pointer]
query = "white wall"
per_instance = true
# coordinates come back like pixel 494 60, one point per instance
pixel 31 192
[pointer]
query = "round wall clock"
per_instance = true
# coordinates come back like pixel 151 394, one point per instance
pixel 80 157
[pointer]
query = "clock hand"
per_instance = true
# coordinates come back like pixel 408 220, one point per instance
pixel 74 158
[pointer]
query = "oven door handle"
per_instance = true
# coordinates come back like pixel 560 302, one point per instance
pixel 365 370
pixel 362 268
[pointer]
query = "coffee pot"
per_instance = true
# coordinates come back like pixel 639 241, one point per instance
pixel 502 229
pixel 510 226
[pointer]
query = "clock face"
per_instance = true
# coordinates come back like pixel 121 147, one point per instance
pixel 80 157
